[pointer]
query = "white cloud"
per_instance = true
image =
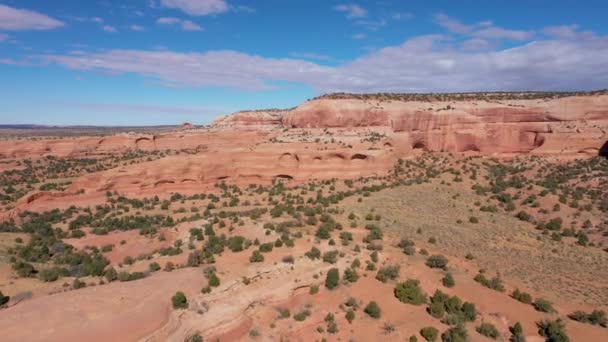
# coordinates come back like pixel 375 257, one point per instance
pixel 137 28
pixel 352 10
pixel 567 32
pixel 372 25
pixel 500 33
pixel 434 63
pixel 197 7
pixel 452 25
pixel 310 56
pixel 167 21
pixel 110 29
pixel 359 36
pixel 185 25
pixel 475 44
pixel 482 29
pixel 14 19
pixel 402 16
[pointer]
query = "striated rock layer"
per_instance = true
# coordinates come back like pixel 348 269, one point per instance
pixel 572 124
pixel 343 137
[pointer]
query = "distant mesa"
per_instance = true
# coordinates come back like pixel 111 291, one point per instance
pixel 187 126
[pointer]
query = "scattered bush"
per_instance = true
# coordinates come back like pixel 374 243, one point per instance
pixel 388 273
pixel 4 299
pixel 448 280
pixel 256 256
pixel 373 310
pixel 517 333
pixel 437 261
pixel 597 317
pixel 495 283
pixel 332 279
pixel 429 333
pixel 523 297
pixel 409 292
pixel 179 300
pixel 457 333
pixel 488 330
pixel 543 305
pixel 351 275
pixel 553 331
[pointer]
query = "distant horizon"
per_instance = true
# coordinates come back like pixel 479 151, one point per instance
pixel 77 125
pixel 160 62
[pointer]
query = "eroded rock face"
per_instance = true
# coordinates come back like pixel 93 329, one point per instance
pixel 251 119
pixel 190 174
pixel 574 124
pixel 248 147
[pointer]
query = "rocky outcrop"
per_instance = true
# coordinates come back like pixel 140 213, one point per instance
pixel 86 146
pixel 190 174
pixel 251 119
pixel 560 125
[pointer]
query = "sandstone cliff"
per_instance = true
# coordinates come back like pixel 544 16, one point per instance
pixel 570 124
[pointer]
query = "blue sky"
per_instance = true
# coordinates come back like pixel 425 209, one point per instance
pixel 145 62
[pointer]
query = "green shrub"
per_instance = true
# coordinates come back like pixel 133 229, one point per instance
pixel 351 275
pixel 553 331
pixel 429 333
pixel 77 284
pixel 214 280
pixel 3 299
pixel 409 292
pixel 301 316
pixel 350 315
pixel 111 274
pixel 523 297
pixel 330 257
pixel 437 261
pixel 373 310
pixel 517 333
pixel 313 253
pixel 457 333
pixel 543 305
pixel 48 275
pixel 388 273
pixel 488 330
pixel 448 280
pixel 314 289
pixel 495 283
pixel 179 300
pixel 597 317
pixel 332 279
pixel 256 256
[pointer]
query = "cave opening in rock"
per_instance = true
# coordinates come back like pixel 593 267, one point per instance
pixel 419 145
pixel 358 156
pixel 286 177
pixel 471 147
pixel 604 150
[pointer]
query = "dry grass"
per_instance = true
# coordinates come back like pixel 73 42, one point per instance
pixel 499 242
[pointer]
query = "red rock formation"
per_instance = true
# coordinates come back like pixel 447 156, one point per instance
pixel 250 119
pixel 570 125
pixel 189 174
pixel 566 126
pixel 186 126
